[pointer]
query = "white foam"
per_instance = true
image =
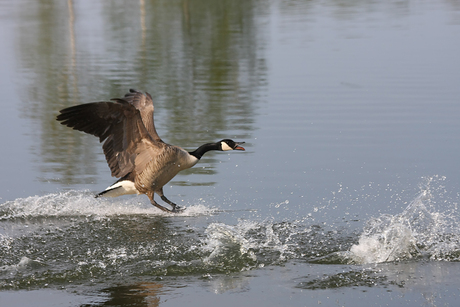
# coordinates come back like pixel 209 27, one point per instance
pixel 247 237
pixel 416 232
pixel 23 264
pixel 221 238
pixel 83 203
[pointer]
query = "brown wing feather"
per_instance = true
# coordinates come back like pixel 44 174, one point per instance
pixel 143 103
pixel 119 124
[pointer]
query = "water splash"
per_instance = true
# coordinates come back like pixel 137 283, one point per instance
pixel 78 203
pixel 419 231
pixel 260 243
pixel 228 248
pixel 57 238
pixel 23 265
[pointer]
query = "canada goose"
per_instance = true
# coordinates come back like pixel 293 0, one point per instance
pixel 133 150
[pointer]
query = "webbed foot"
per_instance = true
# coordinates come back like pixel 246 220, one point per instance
pixel 177 209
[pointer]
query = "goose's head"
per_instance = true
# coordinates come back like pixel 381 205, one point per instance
pixel 228 144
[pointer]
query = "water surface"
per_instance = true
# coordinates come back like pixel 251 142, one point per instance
pixel 348 188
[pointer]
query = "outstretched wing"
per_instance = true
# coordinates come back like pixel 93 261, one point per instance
pixel 143 103
pixel 127 143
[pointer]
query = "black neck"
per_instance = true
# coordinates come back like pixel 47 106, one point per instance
pixel 200 151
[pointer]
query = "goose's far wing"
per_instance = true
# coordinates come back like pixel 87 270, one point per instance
pixel 119 124
pixel 143 103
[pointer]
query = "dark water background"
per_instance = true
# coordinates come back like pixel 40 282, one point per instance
pixel 347 193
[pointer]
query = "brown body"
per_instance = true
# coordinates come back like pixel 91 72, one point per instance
pixel 133 150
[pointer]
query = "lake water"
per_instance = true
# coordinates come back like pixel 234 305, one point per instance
pixel 347 193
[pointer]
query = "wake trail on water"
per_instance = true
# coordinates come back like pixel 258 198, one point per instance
pixel 83 203
pixel 425 229
pixel 71 235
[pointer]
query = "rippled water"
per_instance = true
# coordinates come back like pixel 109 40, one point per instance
pixel 71 239
pixel 348 189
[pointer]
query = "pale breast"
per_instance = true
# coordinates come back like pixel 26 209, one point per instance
pixel 160 171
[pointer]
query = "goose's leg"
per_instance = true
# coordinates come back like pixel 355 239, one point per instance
pixel 175 208
pixel 153 202
pixel 161 207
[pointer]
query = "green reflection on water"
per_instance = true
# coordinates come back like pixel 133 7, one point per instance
pixel 202 61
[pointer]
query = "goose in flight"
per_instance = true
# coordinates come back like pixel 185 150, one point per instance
pixel 133 150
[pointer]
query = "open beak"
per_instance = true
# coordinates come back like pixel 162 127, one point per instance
pixel 238 147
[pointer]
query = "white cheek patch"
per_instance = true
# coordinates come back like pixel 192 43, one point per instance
pixel 225 146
